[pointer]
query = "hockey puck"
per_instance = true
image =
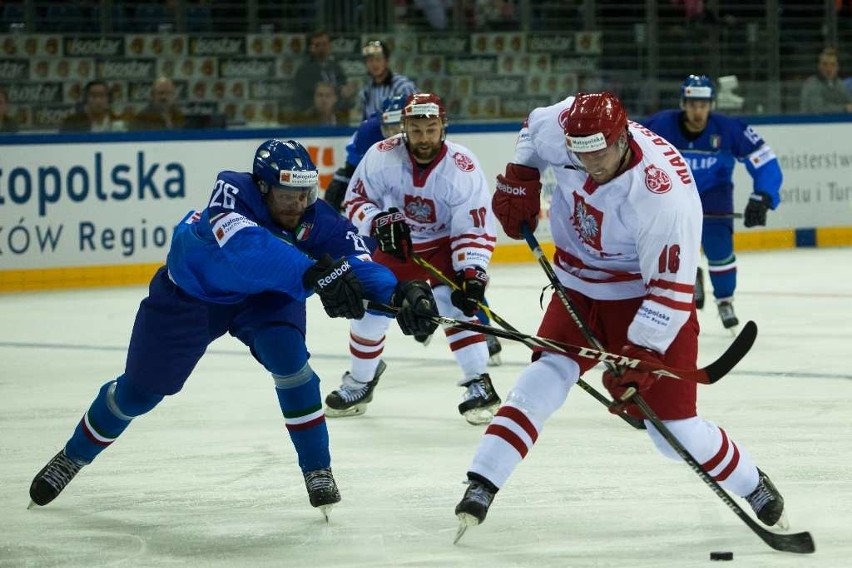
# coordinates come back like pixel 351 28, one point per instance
pixel 721 556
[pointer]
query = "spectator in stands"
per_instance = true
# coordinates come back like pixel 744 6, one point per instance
pixel 382 83
pixel 824 92
pixel 162 113
pixel 95 112
pixel 8 124
pixel 320 66
pixel 323 111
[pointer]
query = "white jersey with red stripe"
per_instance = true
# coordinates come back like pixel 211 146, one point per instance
pixel 637 235
pixel 448 202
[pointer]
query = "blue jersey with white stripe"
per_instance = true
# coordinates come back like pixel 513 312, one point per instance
pixel 233 249
pixel 713 154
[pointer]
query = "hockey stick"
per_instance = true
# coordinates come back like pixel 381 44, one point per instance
pixel 801 543
pixel 704 375
pixel 723 215
pixel 635 422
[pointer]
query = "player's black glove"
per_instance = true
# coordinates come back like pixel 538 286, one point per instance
pixel 755 211
pixel 337 286
pixel 393 233
pixel 472 282
pixel 416 307
pixel 336 190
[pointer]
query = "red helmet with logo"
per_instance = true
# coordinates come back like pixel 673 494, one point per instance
pixel 595 121
pixel 424 105
pixel 419 105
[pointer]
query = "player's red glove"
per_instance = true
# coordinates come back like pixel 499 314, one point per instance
pixel 472 282
pixel 517 199
pixel 640 380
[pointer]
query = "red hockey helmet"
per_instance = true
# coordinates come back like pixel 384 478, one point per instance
pixel 594 122
pixel 424 105
pixel 421 105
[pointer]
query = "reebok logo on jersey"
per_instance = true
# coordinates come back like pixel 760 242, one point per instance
pixel 657 180
pixel 334 275
pixel 229 225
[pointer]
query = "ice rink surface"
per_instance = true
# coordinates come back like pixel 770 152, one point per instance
pixel 209 478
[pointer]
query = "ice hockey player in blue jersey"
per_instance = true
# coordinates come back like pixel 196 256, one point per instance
pixel 712 143
pixel 245 265
pixel 379 126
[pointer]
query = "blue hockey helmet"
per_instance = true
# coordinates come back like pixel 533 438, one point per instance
pixel 392 115
pixel 285 165
pixel 697 87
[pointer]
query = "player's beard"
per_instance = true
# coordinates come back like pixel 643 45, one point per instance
pixel 425 152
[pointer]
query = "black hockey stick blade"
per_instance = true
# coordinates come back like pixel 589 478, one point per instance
pixel 800 543
pixel 705 375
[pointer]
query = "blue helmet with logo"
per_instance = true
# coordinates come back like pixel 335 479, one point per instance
pixel 697 87
pixel 285 165
pixel 392 115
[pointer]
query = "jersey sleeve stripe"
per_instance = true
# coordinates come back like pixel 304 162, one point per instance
pixel 670 303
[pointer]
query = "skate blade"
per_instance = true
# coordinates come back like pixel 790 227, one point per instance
pixel 480 416
pixel 31 505
pixel 466 521
pixel 356 410
pixel 734 329
pixel 495 360
pixel 783 523
pixel 325 510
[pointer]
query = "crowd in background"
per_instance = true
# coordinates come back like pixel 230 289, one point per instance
pixel 327 90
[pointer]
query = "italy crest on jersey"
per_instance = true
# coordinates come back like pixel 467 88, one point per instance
pixel 587 221
pixel 715 141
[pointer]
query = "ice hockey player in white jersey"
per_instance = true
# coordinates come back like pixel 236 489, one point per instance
pixel 626 222
pixel 417 192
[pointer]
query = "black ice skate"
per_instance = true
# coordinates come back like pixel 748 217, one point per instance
pixel 726 312
pixel 52 479
pixel 474 505
pixel 494 349
pixel 480 401
pixel 352 397
pixel 767 503
pixel 322 490
pixel 699 289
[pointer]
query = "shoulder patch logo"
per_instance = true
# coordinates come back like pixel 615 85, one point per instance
pixel 657 180
pixel 463 162
pixel 389 144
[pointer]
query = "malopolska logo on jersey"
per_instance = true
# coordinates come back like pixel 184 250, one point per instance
pixel 229 225
pixel 657 180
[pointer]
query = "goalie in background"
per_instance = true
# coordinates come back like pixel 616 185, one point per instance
pixel 713 143
pixel 246 265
